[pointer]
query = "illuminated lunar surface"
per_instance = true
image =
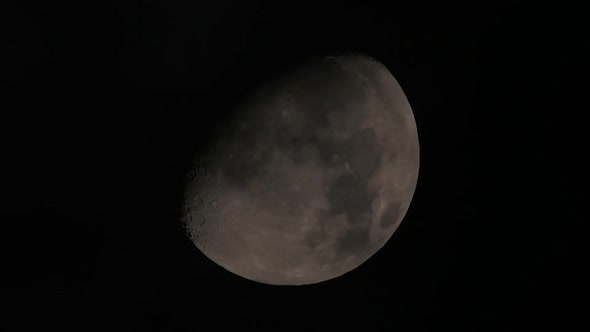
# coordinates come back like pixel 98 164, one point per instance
pixel 311 177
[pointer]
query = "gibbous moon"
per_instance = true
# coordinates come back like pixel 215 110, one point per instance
pixel 310 177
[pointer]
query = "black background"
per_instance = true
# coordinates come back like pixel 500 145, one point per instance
pixel 105 103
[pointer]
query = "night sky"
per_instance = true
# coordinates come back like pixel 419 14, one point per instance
pixel 104 104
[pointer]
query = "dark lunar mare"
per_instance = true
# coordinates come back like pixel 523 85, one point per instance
pixel 354 241
pixel 349 194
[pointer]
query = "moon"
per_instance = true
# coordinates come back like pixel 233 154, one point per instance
pixel 311 176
